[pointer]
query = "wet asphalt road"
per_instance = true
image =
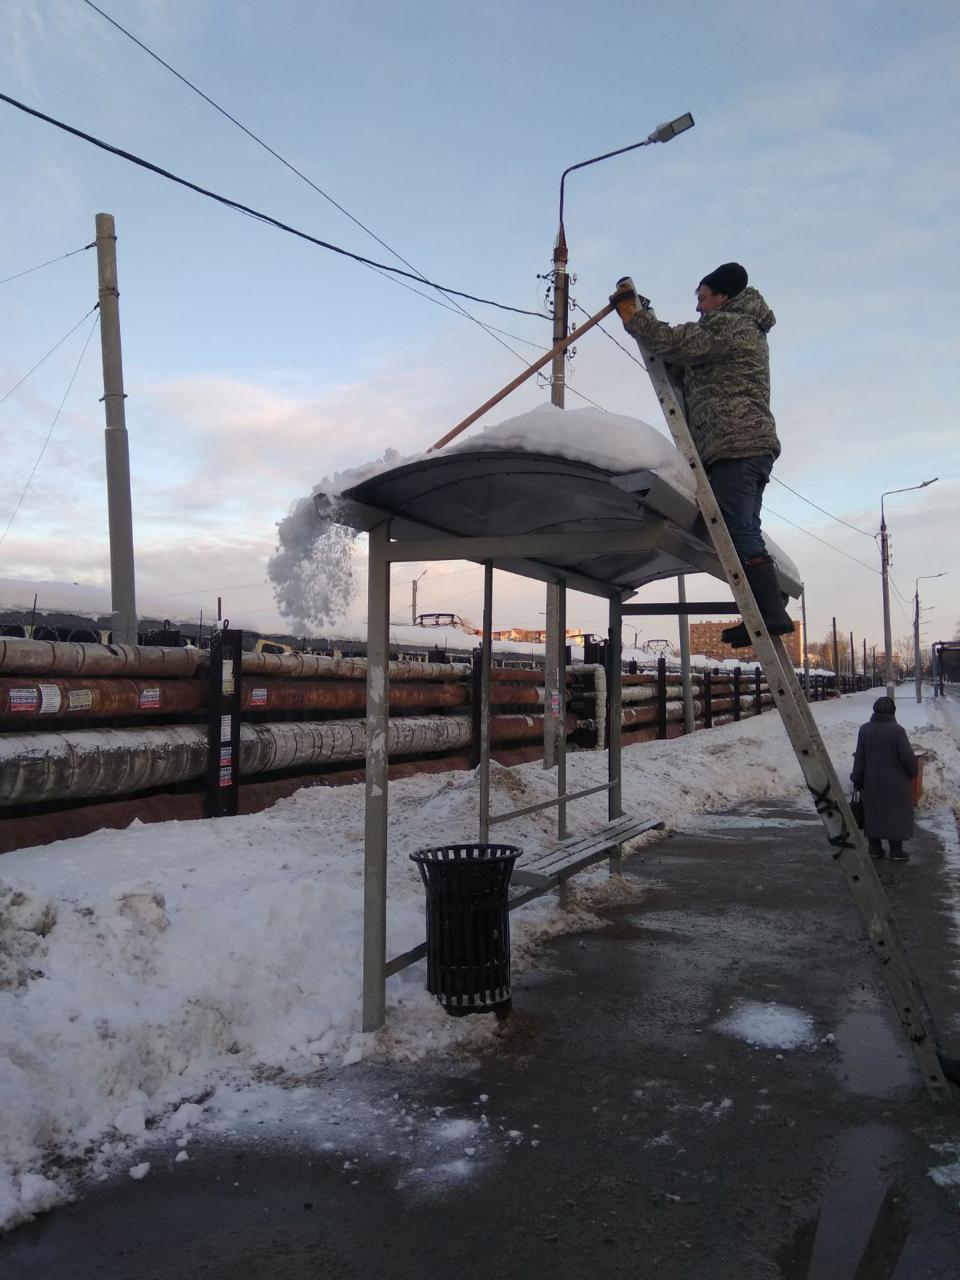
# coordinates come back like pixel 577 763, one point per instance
pixel 625 1136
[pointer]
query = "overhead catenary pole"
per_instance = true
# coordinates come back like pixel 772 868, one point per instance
pixel 119 509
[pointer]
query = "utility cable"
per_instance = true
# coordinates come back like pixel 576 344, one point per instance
pixel 260 217
pixel 823 510
pixel 573 391
pixel 606 332
pixel 56 419
pixel 300 174
pixel 49 353
pixel 863 563
pixel 49 262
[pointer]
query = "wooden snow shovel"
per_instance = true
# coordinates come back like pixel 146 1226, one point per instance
pixel 522 377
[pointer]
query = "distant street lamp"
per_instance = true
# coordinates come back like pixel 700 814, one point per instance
pixel 916 628
pixel 885 574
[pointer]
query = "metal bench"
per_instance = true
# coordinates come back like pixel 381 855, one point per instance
pixel 553 868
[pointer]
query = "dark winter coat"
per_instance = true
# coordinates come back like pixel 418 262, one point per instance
pixel 884 767
pixel 726 374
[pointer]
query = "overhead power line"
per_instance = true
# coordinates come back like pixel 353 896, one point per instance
pixel 260 217
pixel 823 510
pixel 48 355
pixel 49 262
pixel 863 563
pixel 56 419
pixel 456 308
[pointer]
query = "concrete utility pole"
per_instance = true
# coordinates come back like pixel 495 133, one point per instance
pixel 916 643
pixel 413 597
pixel 853 665
pixel 885 575
pixel 887 635
pixel 836 656
pixel 122 584
pixel 557 385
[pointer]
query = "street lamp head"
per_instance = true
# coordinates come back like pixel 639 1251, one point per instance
pixel 664 132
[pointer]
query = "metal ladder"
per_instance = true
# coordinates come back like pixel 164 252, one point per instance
pixel 845 837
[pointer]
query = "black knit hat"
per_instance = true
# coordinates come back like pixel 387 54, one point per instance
pixel 729 278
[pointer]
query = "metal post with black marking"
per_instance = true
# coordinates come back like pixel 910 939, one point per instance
pixel 844 836
pixel 222 797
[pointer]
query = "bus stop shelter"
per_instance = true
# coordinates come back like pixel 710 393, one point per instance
pixel 567 523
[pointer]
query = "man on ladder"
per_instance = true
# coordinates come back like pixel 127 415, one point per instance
pixel 722 366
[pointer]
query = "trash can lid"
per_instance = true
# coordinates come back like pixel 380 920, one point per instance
pixel 479 852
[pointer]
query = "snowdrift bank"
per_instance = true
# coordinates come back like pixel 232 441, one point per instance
pixel 149 977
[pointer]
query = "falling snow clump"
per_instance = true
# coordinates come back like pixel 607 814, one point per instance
pixel 312 570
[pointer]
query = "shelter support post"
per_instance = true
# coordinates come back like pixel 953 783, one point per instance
pixel 683 626
pixel 550 673
pixel 614 720
pixel 486 646
pixel 375 836
pixel 559 708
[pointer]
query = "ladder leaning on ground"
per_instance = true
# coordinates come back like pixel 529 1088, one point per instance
pixel 843 834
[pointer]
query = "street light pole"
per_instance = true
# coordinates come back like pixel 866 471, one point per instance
pixel 561 314
pixel 916 630
pixel 885 576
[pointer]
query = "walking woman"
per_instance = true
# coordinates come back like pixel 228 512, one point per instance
pixel 884 767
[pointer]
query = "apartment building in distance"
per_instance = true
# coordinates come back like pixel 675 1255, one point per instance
pixel 705 639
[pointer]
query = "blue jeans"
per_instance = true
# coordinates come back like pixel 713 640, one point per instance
pixel 738 484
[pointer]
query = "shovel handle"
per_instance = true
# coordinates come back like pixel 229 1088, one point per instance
pixel 522 377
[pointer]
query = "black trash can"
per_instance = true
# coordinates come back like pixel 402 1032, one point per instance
pixel 468 925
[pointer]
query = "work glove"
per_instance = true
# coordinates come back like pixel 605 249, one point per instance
pixel 626 300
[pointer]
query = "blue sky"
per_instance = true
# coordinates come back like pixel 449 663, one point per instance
pixel 823 158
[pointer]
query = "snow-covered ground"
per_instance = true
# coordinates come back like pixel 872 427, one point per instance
pixel 152 979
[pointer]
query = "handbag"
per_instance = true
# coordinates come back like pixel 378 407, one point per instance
pixel 856 807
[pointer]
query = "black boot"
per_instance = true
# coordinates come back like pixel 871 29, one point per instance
pixel 876 848
pixel 762 576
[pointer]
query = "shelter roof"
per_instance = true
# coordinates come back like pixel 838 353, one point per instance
pixel 486 493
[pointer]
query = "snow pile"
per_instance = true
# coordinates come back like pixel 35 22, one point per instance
pixel 608 440
pixel 149 977
pixel 768 1026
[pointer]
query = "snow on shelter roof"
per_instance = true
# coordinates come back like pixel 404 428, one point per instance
pixel 552 472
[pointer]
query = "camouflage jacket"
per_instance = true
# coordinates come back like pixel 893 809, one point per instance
pixel 725 368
